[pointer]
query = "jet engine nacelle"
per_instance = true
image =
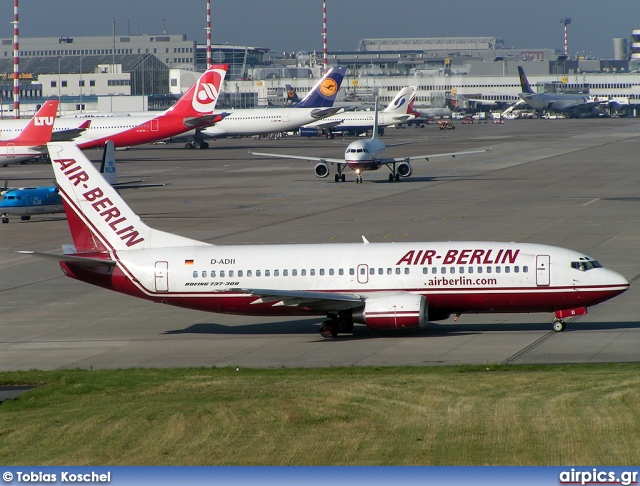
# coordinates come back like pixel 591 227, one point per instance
pixel 321 170
pixel 310 132
pixel 394 311
pixel 404 169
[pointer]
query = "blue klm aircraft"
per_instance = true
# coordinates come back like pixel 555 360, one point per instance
pixel 28 201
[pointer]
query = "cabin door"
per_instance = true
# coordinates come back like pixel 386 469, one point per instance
pixel 9 150
pixel 543 276
pixel 161 276
pixel 155 125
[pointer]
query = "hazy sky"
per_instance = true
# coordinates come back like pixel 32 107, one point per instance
pixel 295 25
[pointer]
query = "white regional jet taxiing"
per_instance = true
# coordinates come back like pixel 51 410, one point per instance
pixel 369 154
pixel 380 285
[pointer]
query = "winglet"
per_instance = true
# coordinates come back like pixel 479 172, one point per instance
pixel 364 240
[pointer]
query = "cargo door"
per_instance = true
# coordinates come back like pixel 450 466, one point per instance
pixel 543 276
pixel 161 276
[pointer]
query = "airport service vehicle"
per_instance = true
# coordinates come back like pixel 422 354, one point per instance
pixel 366 155
pixel 29 201
pixel 317 105
pixel 381 285
pixel 194 109
pixel 32 140
pixel 400 110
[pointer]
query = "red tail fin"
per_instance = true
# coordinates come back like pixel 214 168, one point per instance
pixel 38 130
pixel 202 97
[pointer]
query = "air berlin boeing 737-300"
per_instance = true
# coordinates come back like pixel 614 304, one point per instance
pixel 380 285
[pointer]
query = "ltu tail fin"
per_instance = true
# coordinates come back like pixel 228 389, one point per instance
pixel 201 98
pixel 99 219
pixel 324 93
pixel 38 130
pixel 524 82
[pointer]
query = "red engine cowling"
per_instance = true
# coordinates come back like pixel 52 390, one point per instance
pixel 394 311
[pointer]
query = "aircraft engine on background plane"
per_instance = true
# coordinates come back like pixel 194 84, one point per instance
pixel 321 169
pixel 404 169
pixel 393 311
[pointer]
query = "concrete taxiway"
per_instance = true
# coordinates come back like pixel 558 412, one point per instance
pixel 570 183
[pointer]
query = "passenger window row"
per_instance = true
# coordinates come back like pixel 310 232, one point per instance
pixel 295 272
pixel 462 270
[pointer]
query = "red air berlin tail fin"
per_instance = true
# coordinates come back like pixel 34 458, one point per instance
pixel 38 130
pixel 99 219
pixel 201 98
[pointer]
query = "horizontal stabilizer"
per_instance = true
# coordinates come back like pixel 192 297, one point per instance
pixel 87 261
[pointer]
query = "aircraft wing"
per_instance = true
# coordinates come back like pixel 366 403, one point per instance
pixel 570 105
pixel 70 134
pixel 205 120
pixel 328 124
pixel 86 261
pixel 391 160
pixel 301 157
pixel 320 113
pixel 136 184
pixel 312 300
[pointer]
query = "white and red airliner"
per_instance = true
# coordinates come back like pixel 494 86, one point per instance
pixel 381 285
pixel 32 140
pixel 194 109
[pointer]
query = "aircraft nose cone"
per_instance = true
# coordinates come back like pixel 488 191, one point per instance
pixel 618 280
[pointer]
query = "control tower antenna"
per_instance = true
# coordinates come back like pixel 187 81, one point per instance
pixel 566 21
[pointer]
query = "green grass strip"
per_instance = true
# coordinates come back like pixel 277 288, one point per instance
pixel 487 415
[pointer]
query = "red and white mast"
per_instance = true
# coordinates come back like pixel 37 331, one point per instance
pixel 325 61
pixel 208 29
pixel 16 63
pixel 566 21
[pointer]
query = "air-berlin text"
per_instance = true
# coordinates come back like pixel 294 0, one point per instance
pixel 101 204
pixel 460 257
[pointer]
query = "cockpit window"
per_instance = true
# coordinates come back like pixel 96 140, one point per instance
pixel 585 265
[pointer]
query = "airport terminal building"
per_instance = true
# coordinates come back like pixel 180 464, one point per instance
pixel 166 65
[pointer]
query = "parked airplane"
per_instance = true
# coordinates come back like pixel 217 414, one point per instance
pixel 380 285
pixel 194 109
pixel 28 201
pixel 261 121
pixel 571 104
pixel 31 141
pixel 363 155
pixel 399 110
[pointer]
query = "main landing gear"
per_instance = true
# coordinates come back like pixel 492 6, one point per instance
pixel 395 178
pixel 335 325
pixel 197 144
pixel 558 325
